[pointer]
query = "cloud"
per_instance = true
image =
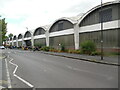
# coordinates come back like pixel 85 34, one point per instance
pixel 34 13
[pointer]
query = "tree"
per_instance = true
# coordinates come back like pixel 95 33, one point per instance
pixel 3 30
pixel 10 35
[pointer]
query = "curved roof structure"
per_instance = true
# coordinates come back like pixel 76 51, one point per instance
pixel 46 28
pixel 14 37
pixel 26 32
pixel 19 35
pixel 97 7
pixel 72 20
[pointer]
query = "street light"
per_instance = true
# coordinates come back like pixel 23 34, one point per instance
pixel 101 32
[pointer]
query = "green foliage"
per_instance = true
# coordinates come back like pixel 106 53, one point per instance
pixel 3 29
pixel 95 53
pixel 45 48
pixel 10 35
pixel 62 47
pixel 74 51
pixel 53 49
pixel 112 53
pixel 88 47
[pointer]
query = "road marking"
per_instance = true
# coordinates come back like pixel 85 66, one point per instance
pixel 8 75
pixel 15 75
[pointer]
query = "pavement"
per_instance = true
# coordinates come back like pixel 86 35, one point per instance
pixel 111 60
pixel 108 60
pixel 51 71
pixel 3 71
pixel 0 72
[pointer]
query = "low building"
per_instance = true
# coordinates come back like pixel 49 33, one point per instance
pixel 90 25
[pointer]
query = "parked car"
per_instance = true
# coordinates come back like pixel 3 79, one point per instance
pixel 25 48
pixel 2 47
pixel 36 49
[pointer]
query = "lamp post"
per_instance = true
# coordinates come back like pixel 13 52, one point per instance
pixel 101 31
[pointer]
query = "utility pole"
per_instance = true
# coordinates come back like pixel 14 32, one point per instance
pixel 101 31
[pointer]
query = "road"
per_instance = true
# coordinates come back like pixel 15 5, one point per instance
pixel 46 71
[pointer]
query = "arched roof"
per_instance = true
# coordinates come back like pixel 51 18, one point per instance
pixel 72 20
pixel 11 38
pixel 14 37
pixel 20 34
pixel 39 28
pixel 27 32
pixel 97 7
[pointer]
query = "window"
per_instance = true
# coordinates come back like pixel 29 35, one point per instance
pixel 14 38
pixel 106 15
pixel 60 26
pixel 20 36
pixel 39 32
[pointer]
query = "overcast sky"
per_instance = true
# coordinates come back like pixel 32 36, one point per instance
pixel 20 14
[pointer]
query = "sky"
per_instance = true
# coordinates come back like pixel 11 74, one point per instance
pixel 20 14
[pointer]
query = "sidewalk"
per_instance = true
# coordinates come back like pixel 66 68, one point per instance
pixel 0 70
pixel 96 59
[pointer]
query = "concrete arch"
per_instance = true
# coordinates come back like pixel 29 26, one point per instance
pixel 14 37
pixel 27 34
pixel 11 38
pixel 20 36
pixel 95 8
pixel 70 20
pixel 41 30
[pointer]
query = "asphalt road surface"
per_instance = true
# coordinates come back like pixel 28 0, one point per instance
pixel 34 69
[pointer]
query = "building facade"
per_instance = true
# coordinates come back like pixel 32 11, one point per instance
pixel 71 32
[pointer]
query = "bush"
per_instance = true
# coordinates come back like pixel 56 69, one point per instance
pixel 53 50
pixel 62 47
pixel 45 48
pixel 95 53
pixel 74 51
pixel 88 47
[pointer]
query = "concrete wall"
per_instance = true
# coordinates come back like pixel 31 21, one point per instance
pixel 110 38
pixel 67 41
pixel 19 43
pixel 41 41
